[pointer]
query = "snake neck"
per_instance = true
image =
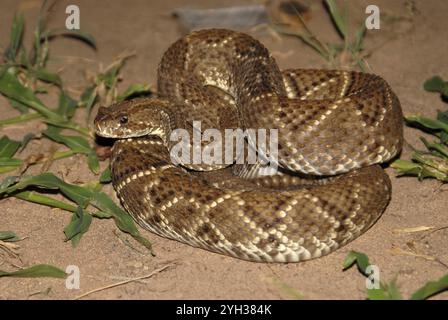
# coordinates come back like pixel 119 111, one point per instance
pixel 162 125
pixel 158 116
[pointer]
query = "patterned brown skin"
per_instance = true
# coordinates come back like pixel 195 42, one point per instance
pixel 330 123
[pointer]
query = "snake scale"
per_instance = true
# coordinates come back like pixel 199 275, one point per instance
pixel 334 129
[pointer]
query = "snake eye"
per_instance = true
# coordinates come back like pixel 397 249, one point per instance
pixel 124 119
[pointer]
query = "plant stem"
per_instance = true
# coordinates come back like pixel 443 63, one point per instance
pixel 22 118
pixel 32 196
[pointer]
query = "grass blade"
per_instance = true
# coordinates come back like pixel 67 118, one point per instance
pixel 77 194
pixel 134 90
pixel 93 162
pixel 67 105
pixel 76 143
pixel 9 236
pixel 428 123
pixel 78 225
pixel 361 260
pixel 106 176
pixel 8 162
pixel 22 118
pixel 46 76
pixel 387 291
pixel 123 220
pixel 431 288
pixel 337 18
pixel 61 123
pixel 360 34
pixel 15 41
pixel 32 196
pixel 404 167
pixel 8 147
pixel 12 88
pixel 83 36
pixel 436 84
pixel 36 271
pixel 18 106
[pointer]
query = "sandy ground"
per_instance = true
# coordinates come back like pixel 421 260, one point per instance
pixel 103 258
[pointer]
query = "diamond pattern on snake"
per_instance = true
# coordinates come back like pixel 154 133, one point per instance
pixel 335 128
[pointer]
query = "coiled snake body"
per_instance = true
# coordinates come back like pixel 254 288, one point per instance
pixel 334 128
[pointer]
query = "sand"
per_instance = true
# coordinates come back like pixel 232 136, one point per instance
pixel 103 257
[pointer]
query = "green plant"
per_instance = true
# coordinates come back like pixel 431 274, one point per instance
pixel 390 290
pixel 7 244
pixel 348 53
pixel 24 77
pixel 432 162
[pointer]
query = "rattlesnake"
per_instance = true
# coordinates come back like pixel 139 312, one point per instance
pixel 334 128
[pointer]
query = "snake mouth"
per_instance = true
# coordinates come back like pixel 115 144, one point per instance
pixel 100 124
pixel 106 130
pixel 104 133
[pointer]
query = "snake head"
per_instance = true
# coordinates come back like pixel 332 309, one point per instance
pixel 133 118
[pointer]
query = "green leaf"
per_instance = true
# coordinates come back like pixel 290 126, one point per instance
pixel 8 162
pixel 78 225
pixel 444 137
pixel 110 77
pixel 41 89
pixel 443 116
pixel 362 261
pixel 387 291
pixel 93 162
pixel 8 181
pixel 406 167
pixel 48 180
pixel 309 40
pixel 8 147
pixel 122 219
pixel 22 118
pixel 436 84
pixel 428 166
pixel 82 196
pixel 88 99
pixel 37 56
pixel 76 143
pixel 11 87
pixel 32 196
pixel 431 288
pixel 134 90
pixel 429 171
pixel 9 236
pixel 439 147
pixel 428 123
pixel 18 106
pixel 46 76
pixel 360 33
pixel 16 36
pixel 36 271
pixel 102 215
pixel 68 125
pixel 24 60
pixel 337 18
pixel 67 105
pixel 83 36
pixel 106 176
pixel 7 169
